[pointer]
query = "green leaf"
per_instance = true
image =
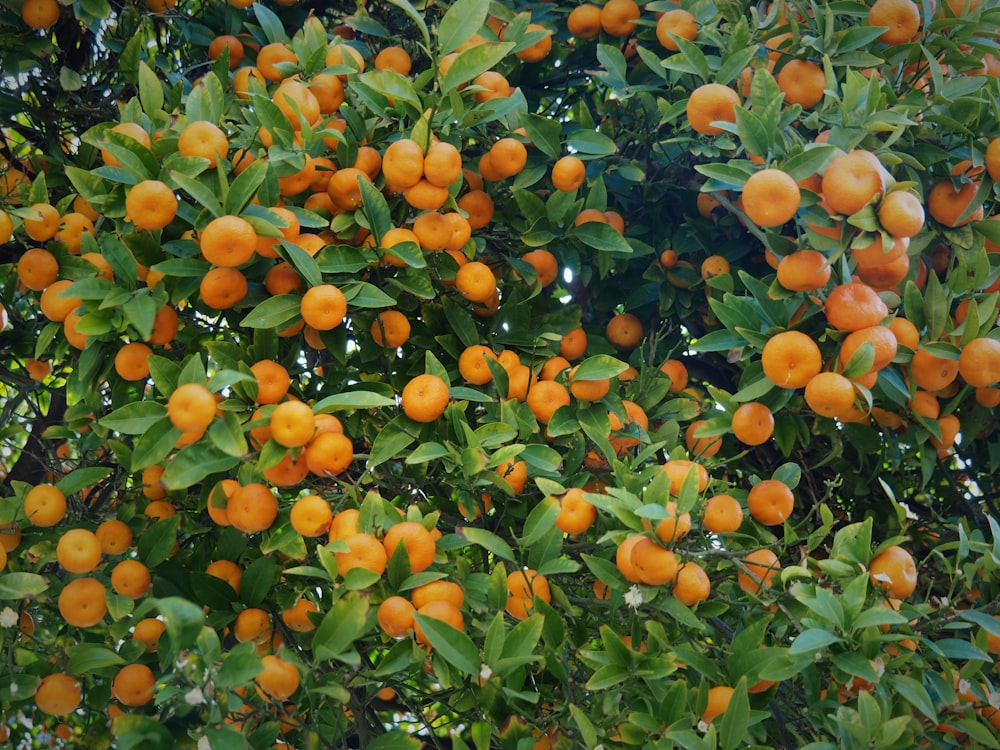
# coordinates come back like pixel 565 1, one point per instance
pixel 540 520
pixel 258 579
pixel 409 10
pixel 353 400
pixel 545 134
pixel 274 312
pixel 150 90
pixel 84 658
pixel 426 452
pixel 395 739
pixel 454 646
pixel 601 237
pixel 488 541
pixel 77 479
pixel 244 188
pixel 225 737
pixel 462 20
pixel 591 142
pixel 473 61
pixel 598 367
pixel 154 445
pixel 391 441
pixel 156 542
pixel 363 294
pixel 184 620
pixel 69 79
pixel 196 462
pixel 202 194
pixel 21 585
pixel 134 418
pixel 736 718
pixel 812 640
pixel 914 693
pixel 270 24
pixel 755 136
pixel 346 621
pixel 375 208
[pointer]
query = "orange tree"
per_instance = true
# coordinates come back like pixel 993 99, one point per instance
pixel 510 375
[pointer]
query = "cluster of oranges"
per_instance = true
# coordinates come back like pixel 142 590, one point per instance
pixel 381 249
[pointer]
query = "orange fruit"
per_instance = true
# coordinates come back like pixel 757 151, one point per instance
pixel 324 307
pixel 329 454
pixel 390 329
pixel 946 204
pixel 472 364
pixel 297 616
pixel 292 424
pixel 711 102
pixel 132 361
pixel 692 584
pixel 364 551
pixel 653 565
pixel 830 394
pixel 901 213
pixel 448 591
pixel 479 207
pixel 507 157
pixel 476 281
pixel 588 390
pixel 148 631
pixel 394 58
pixel 79 551
pixel 273 381
pixel 569 172
pixel 852 181
pixel 344 189
pixel 584 21
pixel 424 398
pixel 770 198
pixel 802 82
pixel 130 578
pixel 227 571
pixel 675 526
pixel 679 468
pixel 44 505
pixel 701 447
pixel 55 304
pixel 719 698
pixel 855 305
pixel 279 679
pixel 576 513
pixel 522 588
pixel 441 610
pixel 624 331
pixel 979 363
pixel 114 536
pixel 191 408
pixel 271 56
pixel 723 514
pixel 395 616
pixel 770 502
pixel 419 542
pixel 894 572
pixel 151 204
pixel 880 337
pixel 204 139
pixel 44 223
pixel 618 17
pixel 403 164
pixel 675 23
pixel 223 42
pixel 311 516
pixel 252 507
pixel 545 397
pixel 228 241
pixel 37 268
pixel 82 603
pixel 757 571
pixel 223 288
pixel 58 694
pixel 791 359
pixel 545 264
pixel 804 271
pixel 900 17
pixel 678 374
pixel 876 254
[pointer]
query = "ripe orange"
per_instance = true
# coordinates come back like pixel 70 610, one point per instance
pixel 115 536
pixel 424 398
pixel 719 698
pixel 624 331
pixel 479 207
pixel 324 307
pixel 701 447
pixel 855 305
pixel 545 264
pixel 584 21
pixel 901 17
pixel 653 565
pixel 227 571
pixel 58 694
pixel 679 468
pixel 292 424
pixel 507 157
pixel 588 390
pixel 44 223
pixel 791 359
pixel 419 542
pixel 979 363
pixel 545 397
pixel 830 394
pixel 569 172
pixel 723 514
pixel 618 17
pixel 204 139
pixel 441 610
pixel 311 516
pixel 476 281
pixel 37 268
pixel 364 551
pixel 148 631
pixel 228 241
pixel 770 502
pixel 344 189
pixel 191 408
pixel 79 551
pixel 692 584
pixel 678 374
pixel 880 337
pixel 472 364
pixel 771 197
pixel 894 572
pixel 675 526
pixel 55 304
pixel 675 23
pixel 223 288
pixel 804 271
pixel 44 505
pixel 390 329
pixel 440 590
pixel 273 381
pixel 576 513
pixel 853 180
pixel 252 508
pixel 901 213
pixel 395 616
pixel 802 82
pixel 403 164
pixel 151 204
pixel 132 361
pixel 130 578
pixel 297 102
pixel 279 679
pixel 271 56
pixel 711 102
pixel 522 588
pixel 329 454
pixel 297 616
pixel 82 603
pixel 394 58
pixel 758 570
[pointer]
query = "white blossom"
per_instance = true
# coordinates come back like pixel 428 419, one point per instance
pixel 633 597
pixel 204 744
pixel 8 618
pixel 703 726
pixel 485 673
pixel 13 688
pixel 194 697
